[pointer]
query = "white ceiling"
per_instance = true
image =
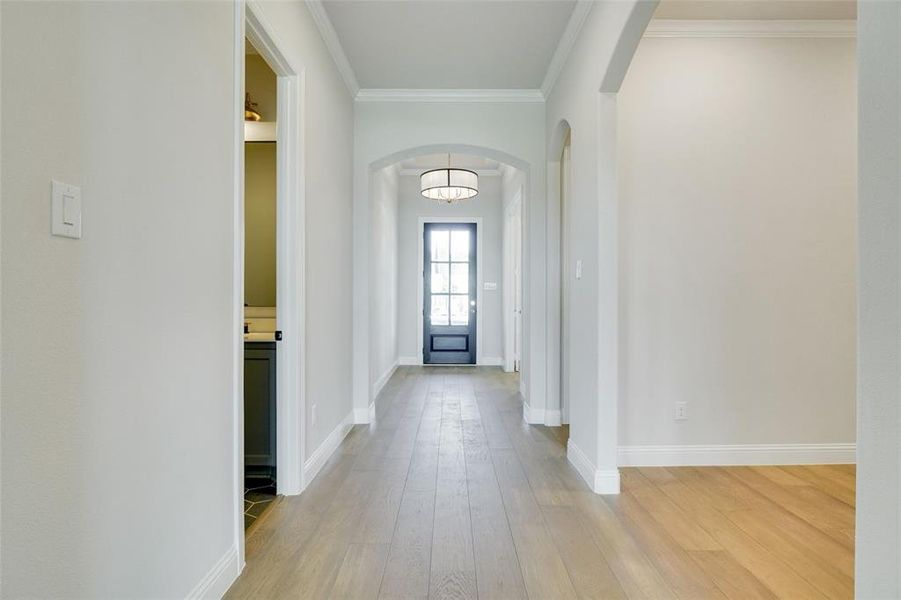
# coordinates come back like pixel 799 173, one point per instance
pixel 449 44
pixel 757 9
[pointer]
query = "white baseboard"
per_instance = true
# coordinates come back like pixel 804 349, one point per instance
pixel 491 361
pixel 379 385
pixel 600 481
pixel 540 416
pixel 552 418
pixel 410 361
pixel 364 416
pixel 736 454
pixel 221 577
pixel 532 416
pixel 325 450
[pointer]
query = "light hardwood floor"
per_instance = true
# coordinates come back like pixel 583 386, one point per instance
pixel 450 495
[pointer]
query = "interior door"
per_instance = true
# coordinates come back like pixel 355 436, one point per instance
pixel 449 294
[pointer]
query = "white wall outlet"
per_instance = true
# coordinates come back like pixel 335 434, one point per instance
pixel 313 415
pixel 681 411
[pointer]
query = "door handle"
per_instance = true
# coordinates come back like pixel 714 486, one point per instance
pixel 278 335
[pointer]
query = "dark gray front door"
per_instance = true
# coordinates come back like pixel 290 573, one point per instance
pixel 449 295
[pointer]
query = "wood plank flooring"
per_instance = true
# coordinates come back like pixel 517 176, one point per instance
pixel 449 495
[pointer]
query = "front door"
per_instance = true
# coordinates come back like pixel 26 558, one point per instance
pixel 449 295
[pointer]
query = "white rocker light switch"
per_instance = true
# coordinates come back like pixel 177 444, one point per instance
pixel 65 210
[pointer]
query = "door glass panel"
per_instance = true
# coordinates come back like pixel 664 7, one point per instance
pixel 440 245
pixel 459 278
pixel 439 310
pixel 459 310
pixel 440 278
pixel 459 246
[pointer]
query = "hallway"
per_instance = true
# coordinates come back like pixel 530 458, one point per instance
pixel 448 494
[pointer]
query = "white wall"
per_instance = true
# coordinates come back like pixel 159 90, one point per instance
pixel 486 205
pixel 596 64
pixel 737 175
pixel 116 394
pixel 511 132
pixel 878 543
pixel 383 296
pixel 259 223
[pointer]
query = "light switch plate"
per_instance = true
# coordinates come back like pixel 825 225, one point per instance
pixel 65 210
pixel 578 269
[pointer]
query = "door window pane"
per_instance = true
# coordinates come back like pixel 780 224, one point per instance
pixel 459 245
pixel 459 310
pixel 440 243
pixel 459 278
pixel 439 310
pixel 440 284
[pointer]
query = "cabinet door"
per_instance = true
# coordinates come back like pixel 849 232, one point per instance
pixel 259 405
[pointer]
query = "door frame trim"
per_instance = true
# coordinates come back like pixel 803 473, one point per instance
pixel 477 221
pixel 509 261
pixel 290 259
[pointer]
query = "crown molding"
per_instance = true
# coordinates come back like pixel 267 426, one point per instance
pixel 718 28
pixel 565 45
pixel 330 37
pixel 425 95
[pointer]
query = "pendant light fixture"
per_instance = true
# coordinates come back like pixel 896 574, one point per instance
pixel 250 109
pixel 449 185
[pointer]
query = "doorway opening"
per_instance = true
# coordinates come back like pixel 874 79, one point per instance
pixel 261 334
pixel 439 275
pixel 268 298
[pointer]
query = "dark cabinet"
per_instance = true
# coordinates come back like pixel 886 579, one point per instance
pixel 259 408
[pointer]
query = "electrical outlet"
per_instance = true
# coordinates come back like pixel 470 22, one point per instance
pixel 681 411
pixel 313 414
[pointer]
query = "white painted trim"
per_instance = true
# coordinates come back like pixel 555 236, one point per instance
pixel 237 291
pixel 330 37
pixel 531 415
pixel 380 383
pixel 540 416
pixel 736 454
pixel 716 28
pixel 479 282
pixel 450 95
pixel 409 361
pixel 606 482
pixel 600 481
pixel 491 361
pixel 552 418
pixel 219 578
pixel 512 213
pixel 364 416
pixel 290 244
pixel 565 45
pixel 320 455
